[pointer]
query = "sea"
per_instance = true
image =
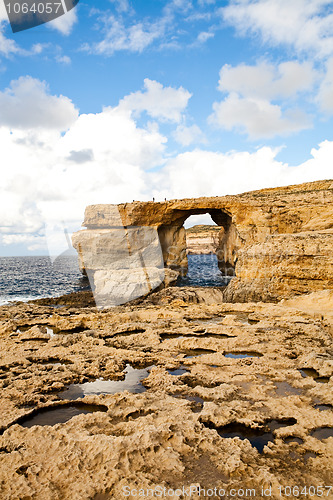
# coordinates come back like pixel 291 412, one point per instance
pixel 28 278
pixel 203 270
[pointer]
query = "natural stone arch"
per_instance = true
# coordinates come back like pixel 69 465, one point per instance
pixel 279 240
pixel 173 240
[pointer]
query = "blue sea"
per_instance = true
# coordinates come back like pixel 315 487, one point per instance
pixel 203 271
pixel 28 278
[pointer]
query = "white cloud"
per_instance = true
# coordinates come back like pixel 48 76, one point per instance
pixel 306 25
pixel 188 135
pixel 204 36
pixel 26 104
pixel 325 95
pixel 164 103
pixel 257 117
pixel 107 158
pixel 122 32
pixel 63 59
pixel 249 106
pixel 7 47
pixel 51 176
pixel 64 23
pixel 266 81
pixel 205 173
pixel 121 5
pixel 134 38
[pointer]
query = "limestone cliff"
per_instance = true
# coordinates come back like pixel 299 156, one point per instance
pixel 276 242
pixel 202 239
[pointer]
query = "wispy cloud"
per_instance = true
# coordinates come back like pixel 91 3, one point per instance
pixel 127 31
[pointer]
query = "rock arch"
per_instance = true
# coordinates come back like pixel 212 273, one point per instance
pixel 173 240
pixel 278 240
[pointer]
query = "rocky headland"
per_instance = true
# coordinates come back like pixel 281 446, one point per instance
pixel 195 387
pixel 274 242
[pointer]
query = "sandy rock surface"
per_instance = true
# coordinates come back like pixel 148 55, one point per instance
pixel 208 376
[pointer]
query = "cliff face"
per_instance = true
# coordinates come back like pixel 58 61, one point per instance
pixel 276 242
pixel 202 239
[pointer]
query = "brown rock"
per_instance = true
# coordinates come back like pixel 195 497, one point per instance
pixel 277 242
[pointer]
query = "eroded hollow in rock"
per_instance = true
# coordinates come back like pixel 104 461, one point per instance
pixel 311 372
pixel 322 432
pixel 194 353
pixel 259 437
pixel 323 407
pixel 242 355
pixel 59 414
pixel 131 383
pixel 178 371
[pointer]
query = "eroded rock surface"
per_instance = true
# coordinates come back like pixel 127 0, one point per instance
pixel 235 395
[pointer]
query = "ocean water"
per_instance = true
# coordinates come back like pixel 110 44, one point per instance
pixel 203 271
pixel 27 278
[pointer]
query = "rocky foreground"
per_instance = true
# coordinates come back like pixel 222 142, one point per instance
pixel 227 396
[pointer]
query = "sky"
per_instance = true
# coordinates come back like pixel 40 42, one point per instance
pixel 123 100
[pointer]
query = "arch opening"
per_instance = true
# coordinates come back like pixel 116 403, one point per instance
pixel 200 245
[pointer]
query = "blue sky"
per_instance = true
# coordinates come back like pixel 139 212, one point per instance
pixel 121 100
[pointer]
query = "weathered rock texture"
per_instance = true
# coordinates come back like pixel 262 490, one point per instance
pixel 277 242
pixel 247 366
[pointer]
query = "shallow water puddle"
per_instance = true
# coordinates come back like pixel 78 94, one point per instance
pixel 322 432
pixel 49 361
pixel 293 439
pixel 201 335
pixel 322 407
pixel 132 383
pixel 166 336
pixel 241 355
pixel 311 372
pixel 285 389
pixel 178 371
pixel 197 402
pixel 258 437
pixel 59 414
pixel 195 353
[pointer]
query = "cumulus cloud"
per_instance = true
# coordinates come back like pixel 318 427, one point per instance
pixel 205 173
pixel 51 176
pixel 188 135
pixel 257 117
pixel 259 98
pixel 27 104
pixel 266 81
pixel 163 103
pixel 325 95
pixel 305 25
